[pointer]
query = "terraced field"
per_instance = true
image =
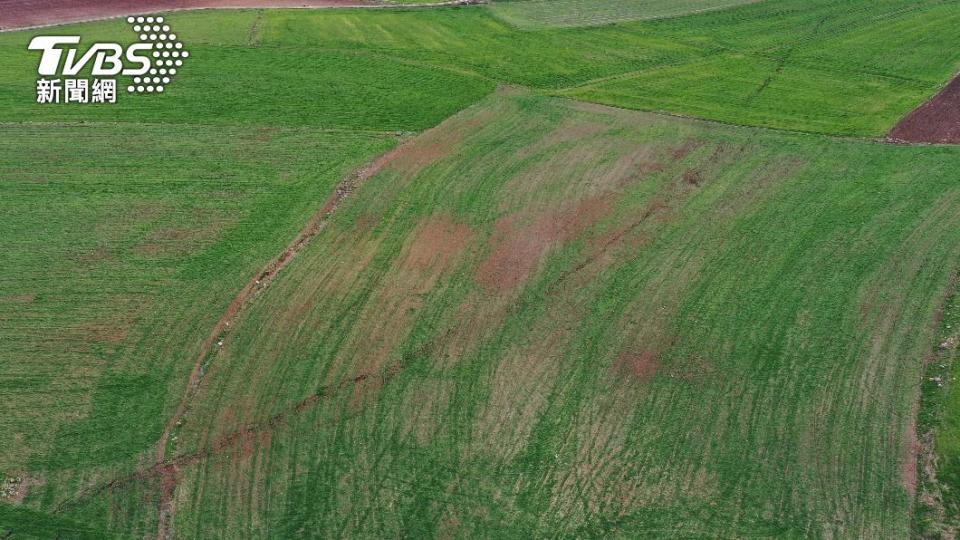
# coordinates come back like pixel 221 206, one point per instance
pixel 528 314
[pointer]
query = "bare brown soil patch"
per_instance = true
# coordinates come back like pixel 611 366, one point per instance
pixel 520 241
pixel 30 13
pixel 641 366
pixel 936 121
pixel 149 249
pixel 436 243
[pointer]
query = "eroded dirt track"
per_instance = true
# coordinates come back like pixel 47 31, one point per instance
pixel 936 121
pixel 31 13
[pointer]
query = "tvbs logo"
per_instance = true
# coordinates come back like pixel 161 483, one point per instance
pixel 152 63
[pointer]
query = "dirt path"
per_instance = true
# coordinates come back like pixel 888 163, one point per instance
pixel 169 471
pixel 24 14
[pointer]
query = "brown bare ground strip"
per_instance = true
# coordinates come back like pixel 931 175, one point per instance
pixel 436 242
pixel 936 121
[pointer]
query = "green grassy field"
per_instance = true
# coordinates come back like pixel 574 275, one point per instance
pixel 792 64
pixel 609 323
pixel 122 244
pixel 534 14
pixel 544 317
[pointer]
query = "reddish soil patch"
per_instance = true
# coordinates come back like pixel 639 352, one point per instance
pixel 936 121
pixel 29 13
pixel 518 243
pixel 436 243
pixel 148 250
pixel 642 366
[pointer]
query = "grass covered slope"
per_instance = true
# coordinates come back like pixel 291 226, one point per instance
pixel 545 317
pixel 529 14
pixel 122 245
pixel 550 318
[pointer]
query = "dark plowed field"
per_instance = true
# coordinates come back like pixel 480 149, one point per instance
pixel 936 121
pixel 27 13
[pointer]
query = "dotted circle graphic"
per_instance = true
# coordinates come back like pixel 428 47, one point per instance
pixel 167 52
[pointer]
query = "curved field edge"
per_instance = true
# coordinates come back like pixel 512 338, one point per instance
pixel 611 323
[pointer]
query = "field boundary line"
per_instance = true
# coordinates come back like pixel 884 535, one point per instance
pixel 877 139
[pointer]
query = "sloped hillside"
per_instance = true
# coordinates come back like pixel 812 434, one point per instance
pixel 545 317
